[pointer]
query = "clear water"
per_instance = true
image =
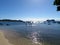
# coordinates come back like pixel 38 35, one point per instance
pixel 41 34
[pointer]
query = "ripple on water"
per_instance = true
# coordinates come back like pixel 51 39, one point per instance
pixel 34 38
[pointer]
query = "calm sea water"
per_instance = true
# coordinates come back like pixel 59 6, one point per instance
pixel 47 34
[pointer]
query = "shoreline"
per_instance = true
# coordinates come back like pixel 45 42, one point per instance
pixel 3 40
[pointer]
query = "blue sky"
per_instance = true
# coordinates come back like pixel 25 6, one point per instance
pixel 28 9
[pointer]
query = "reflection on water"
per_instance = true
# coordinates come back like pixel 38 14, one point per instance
pixel 35 38
pixel 40 35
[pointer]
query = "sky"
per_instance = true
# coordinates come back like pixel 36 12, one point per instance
pixel 28 10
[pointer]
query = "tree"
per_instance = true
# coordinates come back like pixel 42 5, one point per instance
pixel 57 3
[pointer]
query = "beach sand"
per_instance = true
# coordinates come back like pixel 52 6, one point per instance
pixel 3 40
pixel 16 39
pixel 13 38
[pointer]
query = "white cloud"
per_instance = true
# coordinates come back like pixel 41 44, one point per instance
pixel 34 19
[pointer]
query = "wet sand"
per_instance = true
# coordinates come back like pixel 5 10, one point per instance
pixel 14 38
pixel 3 40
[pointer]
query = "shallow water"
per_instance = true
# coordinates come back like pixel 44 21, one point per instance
pixel 42 34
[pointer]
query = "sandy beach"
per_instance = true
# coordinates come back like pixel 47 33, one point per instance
pixel 12 38
pixel 3 40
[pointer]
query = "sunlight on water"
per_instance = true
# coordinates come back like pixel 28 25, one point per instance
pixel 34 38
